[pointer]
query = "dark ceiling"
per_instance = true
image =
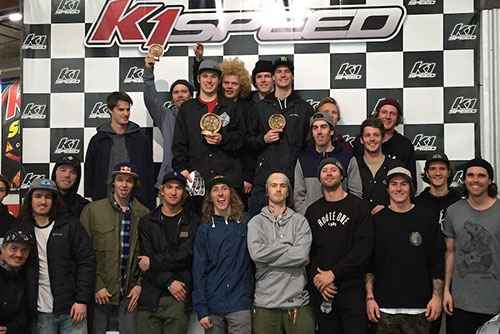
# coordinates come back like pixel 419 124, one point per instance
pixel 10 34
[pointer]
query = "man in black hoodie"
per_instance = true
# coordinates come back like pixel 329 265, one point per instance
pixel 437 197
pixel 66 174
pixel 277 148
pixel 119 141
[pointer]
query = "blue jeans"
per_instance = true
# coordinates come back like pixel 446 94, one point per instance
pixel 49 323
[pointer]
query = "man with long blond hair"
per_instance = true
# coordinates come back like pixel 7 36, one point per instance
pixel 222 269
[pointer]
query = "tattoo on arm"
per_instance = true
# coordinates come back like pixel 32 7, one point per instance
pixel 437 287
pixel 369 278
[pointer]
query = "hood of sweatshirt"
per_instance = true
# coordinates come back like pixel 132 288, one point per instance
pixel 131 128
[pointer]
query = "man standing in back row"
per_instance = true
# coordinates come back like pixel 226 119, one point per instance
pixel 120 140
pixel 279 147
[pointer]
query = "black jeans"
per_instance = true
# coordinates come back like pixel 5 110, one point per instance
pixel 465 322
pixel 348 315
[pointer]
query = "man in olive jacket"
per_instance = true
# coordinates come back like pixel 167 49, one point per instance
pixel 112 224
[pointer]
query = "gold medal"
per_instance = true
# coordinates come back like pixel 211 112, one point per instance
pixel 156 50
pixel 210 123
pixel 276 121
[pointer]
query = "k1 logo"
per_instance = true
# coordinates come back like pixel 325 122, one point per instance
pixel 68 76
pixel 463 32
pixel 463 105
pixel 349 72
pixel 68 7
pixel 68 146
pixel 34 111
pixel 424 143
pixel 35 42
pixel 422 70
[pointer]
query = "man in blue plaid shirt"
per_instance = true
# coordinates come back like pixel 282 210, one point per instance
pixel 112 224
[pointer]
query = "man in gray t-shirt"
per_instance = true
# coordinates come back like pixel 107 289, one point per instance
pixel 472 230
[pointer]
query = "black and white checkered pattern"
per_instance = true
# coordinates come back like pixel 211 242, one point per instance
pixel 431 66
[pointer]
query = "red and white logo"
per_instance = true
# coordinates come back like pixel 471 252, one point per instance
pixel 124 22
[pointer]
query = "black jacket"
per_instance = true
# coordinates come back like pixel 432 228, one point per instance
pixel 398 147
pixel 192 152
pixel 437 205
pixel 280 155
pixel 171 256
pixel 374 188
pixel 140 154
pixel 12 300
pixel 74 202
pixel 72 266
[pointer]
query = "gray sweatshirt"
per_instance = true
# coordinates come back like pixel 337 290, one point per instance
pixel 280 246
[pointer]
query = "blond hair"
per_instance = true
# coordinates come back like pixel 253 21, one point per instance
pixel 237 67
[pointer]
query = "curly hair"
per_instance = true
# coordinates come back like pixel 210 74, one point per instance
pixel 237 207
pixel 237 67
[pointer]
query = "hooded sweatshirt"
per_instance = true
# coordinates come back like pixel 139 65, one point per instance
pixel 280 246
pixel 307 188
pixel 74 202
pixel 437 205
pixel 107 148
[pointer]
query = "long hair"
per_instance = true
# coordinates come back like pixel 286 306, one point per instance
pixel 237 67
pixel 26 209
pixel 492 190
pixel 237 207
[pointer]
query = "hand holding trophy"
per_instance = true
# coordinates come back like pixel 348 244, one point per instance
pixel 156 50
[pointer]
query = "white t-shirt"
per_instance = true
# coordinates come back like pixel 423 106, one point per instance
pixel 45 298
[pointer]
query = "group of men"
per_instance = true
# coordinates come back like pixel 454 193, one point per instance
pixel 228 238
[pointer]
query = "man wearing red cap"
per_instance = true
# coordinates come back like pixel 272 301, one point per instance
pixel 472 232
pixel 112 224
pixel 395 145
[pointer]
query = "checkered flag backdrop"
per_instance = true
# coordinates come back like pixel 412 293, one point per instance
pixel 422 52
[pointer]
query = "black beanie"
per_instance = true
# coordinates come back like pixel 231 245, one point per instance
pixel 479 162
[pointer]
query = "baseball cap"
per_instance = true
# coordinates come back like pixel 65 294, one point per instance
pixel 393 102
pixel 44 184
pixel 283 60
pixel 125 168
pixel 398 171
pixel 19 234
pixel 68 159
pixel 436 157
pixel 479 162
pixel 174 176
pixel 321 116
pixel 209 65
pixel 216 180
pixel 327 161
pixel 182 82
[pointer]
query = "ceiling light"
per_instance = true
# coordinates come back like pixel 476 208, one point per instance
pixel 15 17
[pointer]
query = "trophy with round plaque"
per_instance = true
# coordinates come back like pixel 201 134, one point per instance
pixel 210 123
pixel 156 50
pixel 276 121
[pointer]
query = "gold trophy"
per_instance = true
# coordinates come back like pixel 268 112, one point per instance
pixel 156 50
pixel 210 123
pixel 276 121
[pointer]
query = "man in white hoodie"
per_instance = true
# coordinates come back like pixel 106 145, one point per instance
pixel 279 240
